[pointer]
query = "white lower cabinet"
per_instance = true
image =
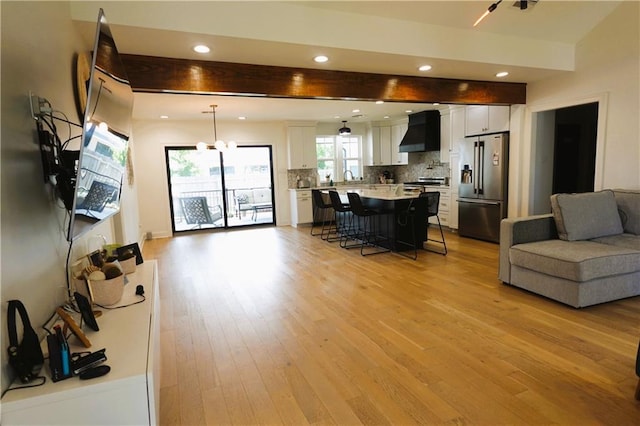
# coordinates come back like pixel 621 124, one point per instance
pixel 443 208
pixel 301 206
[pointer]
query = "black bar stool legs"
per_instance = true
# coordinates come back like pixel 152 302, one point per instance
pixel 433 203
pixel 344 221
pixel 328 225
pixel 368 232
pixel 416 211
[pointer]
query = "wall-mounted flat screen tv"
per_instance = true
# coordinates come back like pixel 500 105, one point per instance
pixel 105 136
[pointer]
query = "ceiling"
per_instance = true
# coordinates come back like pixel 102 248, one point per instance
pixel 257 37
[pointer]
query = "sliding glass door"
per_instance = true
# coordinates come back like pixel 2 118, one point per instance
pixel 209 189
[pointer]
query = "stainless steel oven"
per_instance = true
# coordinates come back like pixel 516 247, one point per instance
pixel 423 184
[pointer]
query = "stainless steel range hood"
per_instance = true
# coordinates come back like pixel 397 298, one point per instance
pixel 423 133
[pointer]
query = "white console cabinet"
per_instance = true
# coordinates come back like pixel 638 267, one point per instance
pixel 129 393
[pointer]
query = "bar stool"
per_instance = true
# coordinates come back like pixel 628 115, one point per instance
pixel 367 233
pixel 415 216
pixel 320 207
pixel 344 220
pixel 433 203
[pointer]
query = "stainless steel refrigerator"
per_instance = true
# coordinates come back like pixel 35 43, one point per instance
pixel 482 191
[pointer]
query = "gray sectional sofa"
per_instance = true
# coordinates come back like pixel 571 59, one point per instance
pixel 586 252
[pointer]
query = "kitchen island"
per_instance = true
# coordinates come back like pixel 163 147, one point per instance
pixel 394 224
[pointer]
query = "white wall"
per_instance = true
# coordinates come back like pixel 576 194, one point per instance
pixel 39 44
pixel 150 139
pixel 608 71
pixel 126 224
pixel 33 226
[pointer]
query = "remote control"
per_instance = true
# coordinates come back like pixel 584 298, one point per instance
pixel 94 372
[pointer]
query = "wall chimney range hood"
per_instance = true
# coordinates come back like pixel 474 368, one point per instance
pixel 423 133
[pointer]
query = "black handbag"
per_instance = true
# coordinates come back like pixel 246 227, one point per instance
pixel 25 357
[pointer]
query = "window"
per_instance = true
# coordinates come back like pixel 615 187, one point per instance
pixel 338 155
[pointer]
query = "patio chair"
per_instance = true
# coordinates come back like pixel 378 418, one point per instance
pixel 197 212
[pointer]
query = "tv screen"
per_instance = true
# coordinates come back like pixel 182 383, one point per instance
pixel 105 135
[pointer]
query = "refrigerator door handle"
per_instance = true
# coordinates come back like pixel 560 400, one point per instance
pixel 484 202
pixel 475 167
pixel 480 169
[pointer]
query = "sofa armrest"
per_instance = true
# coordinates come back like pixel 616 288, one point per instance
pixel 522 230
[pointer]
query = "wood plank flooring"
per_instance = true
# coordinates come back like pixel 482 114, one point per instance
pixel 274 326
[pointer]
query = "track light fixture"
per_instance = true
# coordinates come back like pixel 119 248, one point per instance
pixel 344 130
pixel 488 11
pixel 521 4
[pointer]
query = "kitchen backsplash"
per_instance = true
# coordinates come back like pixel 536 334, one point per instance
pixel 421 164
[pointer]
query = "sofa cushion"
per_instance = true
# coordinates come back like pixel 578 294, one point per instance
pixel 629 208
pixel 585 216
pixel 262 196
pixel 577 260
pixel 623 240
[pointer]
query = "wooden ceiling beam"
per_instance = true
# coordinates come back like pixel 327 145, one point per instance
pixel 156 74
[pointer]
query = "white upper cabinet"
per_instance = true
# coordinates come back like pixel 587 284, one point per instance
pixel 379 142
pixel 481 119
pixel 397 133
pixel 384 146
pixel 457 128
pixel 445 136
pixel 301 142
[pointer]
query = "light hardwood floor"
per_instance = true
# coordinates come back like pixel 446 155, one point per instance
pixel 274 326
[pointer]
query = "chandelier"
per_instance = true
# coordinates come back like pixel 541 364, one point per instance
pixel 218 144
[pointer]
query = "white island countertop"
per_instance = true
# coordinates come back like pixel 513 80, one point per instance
pixel 388 194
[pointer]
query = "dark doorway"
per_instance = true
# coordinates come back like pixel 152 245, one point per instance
pixel 574 165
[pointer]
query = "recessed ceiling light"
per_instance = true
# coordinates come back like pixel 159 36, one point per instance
pixel 424 68
pixel 502 74
pixel 408 111
pixel 379 102
pixel 201 48
pixel 356 110
pixel 321 59
pixel 242 118
pixel 385 117
pixel 164 116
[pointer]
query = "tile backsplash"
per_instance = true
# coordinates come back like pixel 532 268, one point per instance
pixel 421 164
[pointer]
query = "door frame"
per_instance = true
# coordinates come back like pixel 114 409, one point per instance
pixel 225 201
pixel 529 195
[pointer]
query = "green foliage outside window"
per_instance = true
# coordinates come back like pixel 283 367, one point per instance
pixel 181 163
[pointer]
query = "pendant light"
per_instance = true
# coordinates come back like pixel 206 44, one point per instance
pixel 218 144
pixel 344 130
